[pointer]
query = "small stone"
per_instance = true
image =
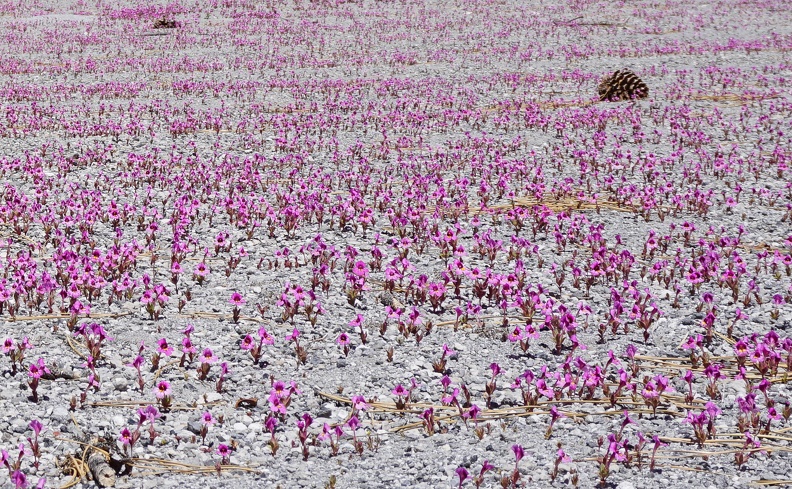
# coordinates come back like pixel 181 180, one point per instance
pixel 120 384
pixel 213 397
pixel 194 427
pixel 61 413
pixel 18 425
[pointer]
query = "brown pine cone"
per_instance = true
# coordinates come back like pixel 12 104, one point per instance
pixel 622 85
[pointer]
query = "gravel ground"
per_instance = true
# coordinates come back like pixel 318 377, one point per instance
pixel 398 193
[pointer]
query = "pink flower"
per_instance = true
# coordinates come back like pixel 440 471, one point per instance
pixel 436 290
pixel 326 433
pixel 148 297
pixel 359 403
pixel 463 474
pixel 36 370
pixel 162 390
pixel 266 338
pixel 516 334
pixel 276 404
pixel 294 335
pixel 391 274
pixel 125 437
pixel 741 349
pixel 138 361
pixel 223 450
pixel 519 452
pixel 357 322
pixel 247 343
pixel 237 299
pixel 353 423
pixel 201 270
pixel 208 357
pixel 36 426
pixel 163 348
pixel 279 388
pixel 220 239
pixel 149 413
pixel 496 369
pixel 207 419
pixel 650 391
pixel 19 479
pixel 360 269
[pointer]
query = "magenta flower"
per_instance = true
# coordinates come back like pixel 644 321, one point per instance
pixel 163 389
pixel 357 322
pixel 294 335
pixel 201 270
pixel 496 369
pixel 279 388
pixel 36 426
pixel 519 452
pixel 353 423
pixel 237 299
pixel 359 403
pixel 149 413
pixel 148 297
pixel 391 274
pixel 163 348
pixel 360 269
pixel 265 337
pixel 207 419
pixel 516 334
pixel 125 437
pixel 276 404
pixel 19 479
pixel 208 357
pixel 463 474
pixel 36 370
pixel 741 349
pixel 270 424
pixel 650 391
pixel 224 451
pixel 247 343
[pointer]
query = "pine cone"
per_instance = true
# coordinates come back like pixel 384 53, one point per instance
pixel 164 23
pixel 622 85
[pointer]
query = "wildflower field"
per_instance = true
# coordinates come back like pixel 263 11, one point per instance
pixel 395 243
